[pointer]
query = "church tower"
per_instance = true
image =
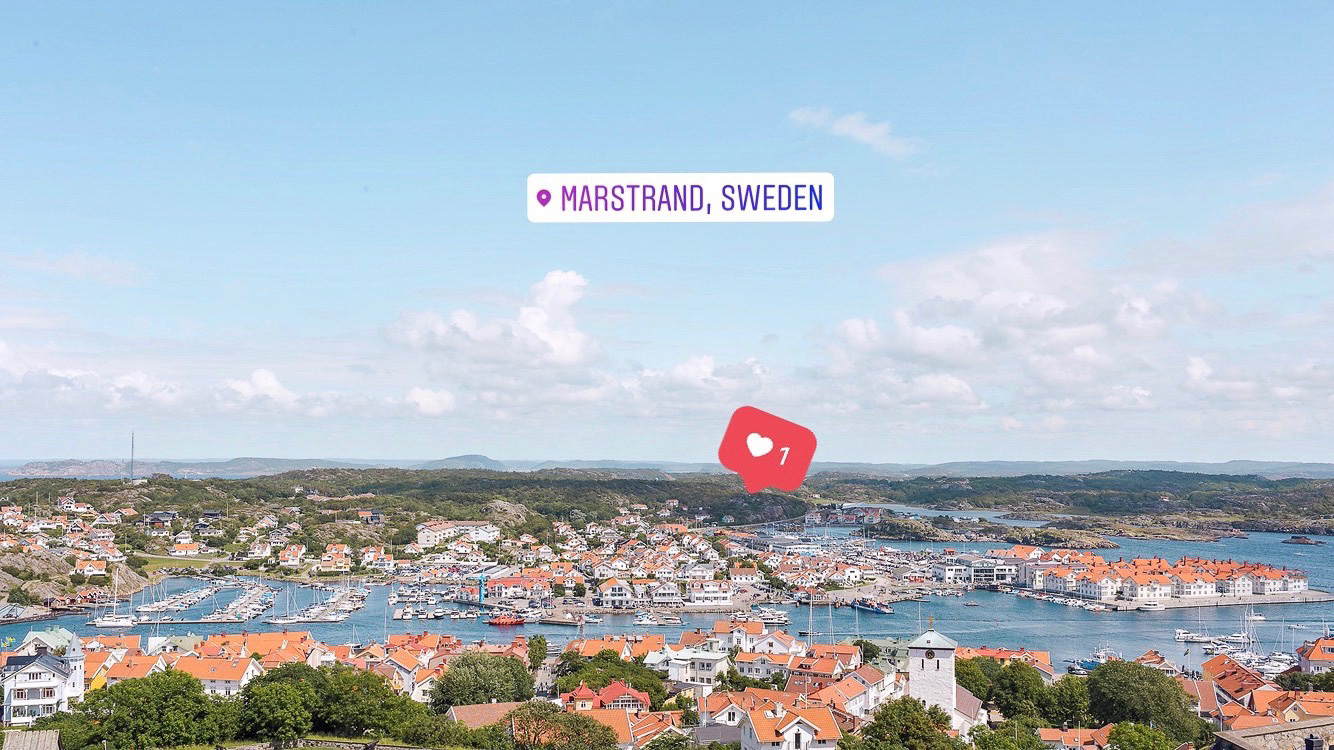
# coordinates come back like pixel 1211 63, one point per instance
pixel 931 672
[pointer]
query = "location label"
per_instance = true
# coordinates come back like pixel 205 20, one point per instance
pixel 680 197
pixel 766 451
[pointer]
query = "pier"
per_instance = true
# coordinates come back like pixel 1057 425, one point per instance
pixel 1255 600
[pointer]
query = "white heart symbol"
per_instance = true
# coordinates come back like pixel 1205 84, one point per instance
pixel 758 444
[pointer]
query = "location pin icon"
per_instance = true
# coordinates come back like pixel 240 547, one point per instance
pixel 544 197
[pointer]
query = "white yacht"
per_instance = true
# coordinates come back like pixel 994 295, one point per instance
pixel 114 620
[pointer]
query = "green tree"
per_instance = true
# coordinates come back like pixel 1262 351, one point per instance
pixel 224 718
pixel 870 651
pixel 580 590
pixel 669 741
pixel 1128 735
pixel 970 676
pixel 686 704
pixel 296 673
pixel 1018 690
pixel 578 732
pixel 1005 738
pixel 432 730
pixel 476 677
pixel 165 709
pixel 355 702
pixel 537 652
pixel 990 668
pixel 904 723
pixel 76 731
pixel 1121 691
pixel 1306 682
pixel 1068 702
pixel 606 666
pixel 545 726
pixel 276 713
pixel 734 680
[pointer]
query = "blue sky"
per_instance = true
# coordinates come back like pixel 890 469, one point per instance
pixel 298 229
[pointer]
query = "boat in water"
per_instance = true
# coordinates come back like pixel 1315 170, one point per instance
pixel 504 620
pixel 646 619
pixel 114 620
pixel 867 605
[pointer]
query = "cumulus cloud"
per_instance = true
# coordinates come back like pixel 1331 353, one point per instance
pixel 543 331
pixel 135 388
pixel 857 127
pixel 430 403
pixel 261 388
pixel 1200 377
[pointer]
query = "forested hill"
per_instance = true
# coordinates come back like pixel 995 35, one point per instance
pixel 531 500
pixel 1106 493
pixel 522 500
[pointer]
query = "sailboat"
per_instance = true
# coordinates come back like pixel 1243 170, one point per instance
pixel 287 618
pixel 115 618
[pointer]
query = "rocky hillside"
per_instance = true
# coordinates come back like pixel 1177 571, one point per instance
pixel 46 574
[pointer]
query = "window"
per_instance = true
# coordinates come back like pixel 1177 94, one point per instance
pixel 48 692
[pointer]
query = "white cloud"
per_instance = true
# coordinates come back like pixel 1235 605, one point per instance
pixel 1128 397
pixel 136 387
pixel 857 127
pixel 940 389
pixel 430 403
pixel 542 332
pixel 261 388
pixel 1200 377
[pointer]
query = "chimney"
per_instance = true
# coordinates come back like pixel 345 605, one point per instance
pixel 1315 743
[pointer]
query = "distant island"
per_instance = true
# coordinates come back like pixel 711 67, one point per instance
pixel 242 468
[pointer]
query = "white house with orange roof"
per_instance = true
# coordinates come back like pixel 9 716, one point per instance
pixel 761 666
pixel 711 593
pixel 1144 586
pixel 1316 657
pixel 1099 583
pixel 292 556
pixel 91 568
pixel 615 592
pixel 220 676
pixel 1192 584
pixel 778 727
pixel 777 642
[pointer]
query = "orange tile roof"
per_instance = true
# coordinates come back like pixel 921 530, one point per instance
pixel 132 666
pixel 229 670
pixel 769 724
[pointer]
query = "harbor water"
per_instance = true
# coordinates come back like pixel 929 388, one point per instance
pixel 1000 620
